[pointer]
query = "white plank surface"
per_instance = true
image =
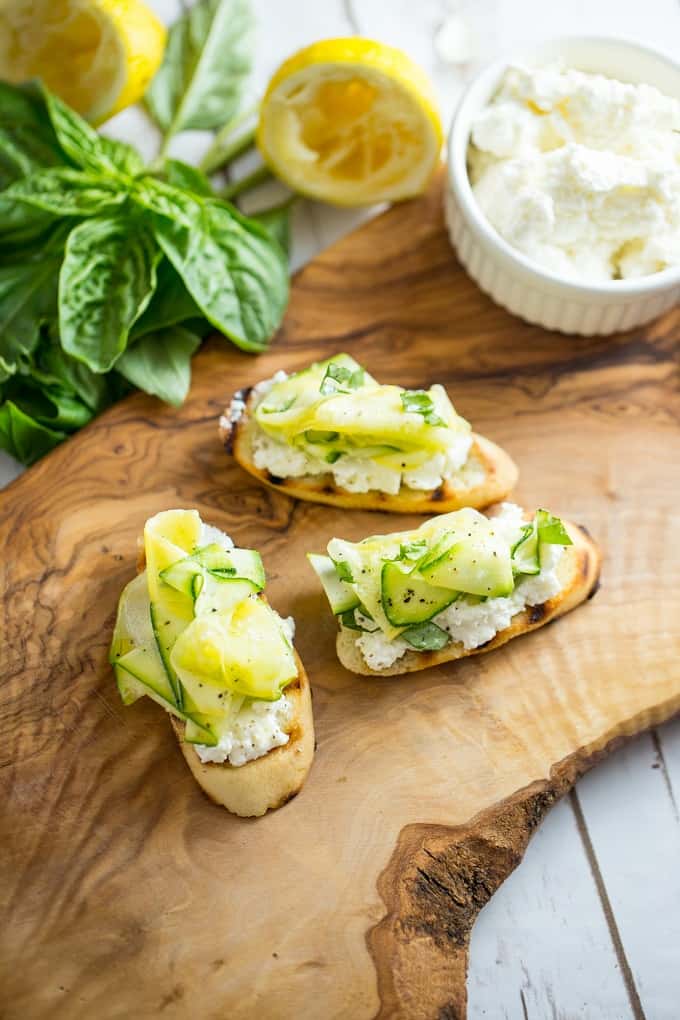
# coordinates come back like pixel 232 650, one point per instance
pixel 589 925
pixel 541 948
pixel 632 822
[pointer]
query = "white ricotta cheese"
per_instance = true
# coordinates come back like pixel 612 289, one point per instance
pixel 360 474
pixel 473 624
pixel 580 172
pixel 213 536
pixel 257 728
pixel 288 627
pixel 262 388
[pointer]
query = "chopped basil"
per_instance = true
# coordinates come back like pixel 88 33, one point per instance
pixel 333 456
pixel 412 550
pixel 343 571
pixel 349 620
pixel 551 531
pixel 426 637
pixel 420 402
pixel 339 379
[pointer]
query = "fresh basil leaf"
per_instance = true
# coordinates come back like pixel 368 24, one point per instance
pixel 348 620
pixel 160 363
pixel 52 367
pixel 236 275
pixel 50 406
pixel 106 281
pixel 84 146
pixel 276 222
pixel 188 178
pixel 207 58
pixel 63 191
pixel 426 637
pixel 23 437
pixel 21 224
pixel 7 369
pixel 171 303
pixel 122 157
pixel 551 530
pixel 27 139
pixel 28 297
pixel 420 402
pixel 332 456
pixel 340 379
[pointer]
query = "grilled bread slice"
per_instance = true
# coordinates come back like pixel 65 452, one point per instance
pixel 579 571
pixel 499 473
pixel 265 783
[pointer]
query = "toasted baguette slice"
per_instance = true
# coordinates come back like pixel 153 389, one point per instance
pixel 500 474
pixel 579 570
pixel 268 782
pixel 265 783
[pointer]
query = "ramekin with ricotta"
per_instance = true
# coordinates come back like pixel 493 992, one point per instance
pixel 580 172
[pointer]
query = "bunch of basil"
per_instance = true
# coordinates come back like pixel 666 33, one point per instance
pixel 111 272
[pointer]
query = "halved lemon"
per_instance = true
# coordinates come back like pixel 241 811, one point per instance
pixel 351 121
pixel 97 55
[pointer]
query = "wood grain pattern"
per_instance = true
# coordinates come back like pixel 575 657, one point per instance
pixel 125 892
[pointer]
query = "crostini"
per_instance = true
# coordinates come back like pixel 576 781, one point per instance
pixel 460 584
pixel 332 434
pixel 195 633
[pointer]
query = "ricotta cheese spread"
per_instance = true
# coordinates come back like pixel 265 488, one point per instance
pixel 473 624
pixel 258 726
pixel 581 173
pixel 360 474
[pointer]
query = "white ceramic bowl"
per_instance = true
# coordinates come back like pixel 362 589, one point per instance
pixel 508 276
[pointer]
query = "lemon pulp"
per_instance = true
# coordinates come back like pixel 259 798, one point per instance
pixel 97 55
pixel 351 121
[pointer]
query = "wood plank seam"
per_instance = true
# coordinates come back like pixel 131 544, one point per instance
pixel 664 768
pixel 617 942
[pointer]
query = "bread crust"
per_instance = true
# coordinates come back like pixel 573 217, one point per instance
pixel 236 428
pixel 579 570
pixel 264 783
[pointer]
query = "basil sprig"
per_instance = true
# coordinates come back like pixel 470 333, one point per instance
pixel 207 60
pixel 426 637
pixel 420 402
pixel 111 272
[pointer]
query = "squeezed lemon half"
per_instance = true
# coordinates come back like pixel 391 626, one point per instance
pixel 97 55
pixel 351 121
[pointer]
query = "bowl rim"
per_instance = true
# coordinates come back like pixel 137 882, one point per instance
pixel 459 181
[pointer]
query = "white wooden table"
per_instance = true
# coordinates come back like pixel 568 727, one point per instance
pixel 589 925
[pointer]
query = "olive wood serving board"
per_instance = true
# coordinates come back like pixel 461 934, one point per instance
pixel 125 892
